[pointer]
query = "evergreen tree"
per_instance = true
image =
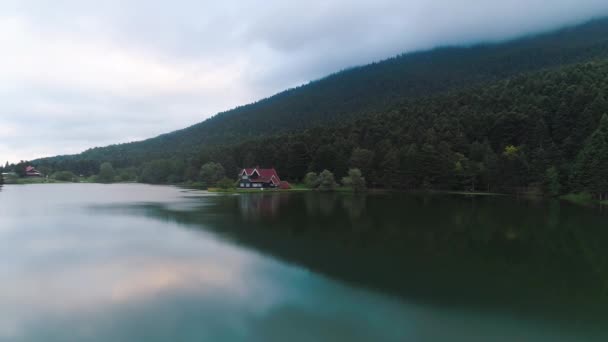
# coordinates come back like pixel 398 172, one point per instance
pixel 297 160
pixel 552 182
pixel 211 173
pixel 106 173
pixel 591 166
pixel 362 159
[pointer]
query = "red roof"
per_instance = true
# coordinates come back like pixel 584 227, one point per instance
pixel 30 168
pixel 265 175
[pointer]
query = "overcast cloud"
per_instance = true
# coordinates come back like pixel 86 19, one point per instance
pixel 76 74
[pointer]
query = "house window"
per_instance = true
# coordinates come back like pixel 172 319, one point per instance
pixel 244 177
pixel 242 185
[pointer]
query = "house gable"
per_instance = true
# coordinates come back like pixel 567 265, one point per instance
pixel 259 177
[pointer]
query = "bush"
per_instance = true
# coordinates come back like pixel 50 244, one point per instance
pixel 311 180
pixel 106 173
pixel 156 172
pixel 354 180
pixel 211 173
pixel 127 175
pixel 225 183
pixel 64 176
pixel 327 181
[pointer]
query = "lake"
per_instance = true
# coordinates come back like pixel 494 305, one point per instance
pixel 130 262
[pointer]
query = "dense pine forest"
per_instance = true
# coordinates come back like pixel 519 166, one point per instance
pixel 527 115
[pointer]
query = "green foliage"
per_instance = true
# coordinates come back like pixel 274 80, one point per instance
pixel 552 183
pixel 106 173
pixel 355 180
pixel 19 169
pixel 156 172
pixel 579 198
pixel 362 159
pixel 226 184
pixel 297 160
pixel 127 175
pixel 312 180
pixel 591 168
pixel 64 176
pixel 211 173
pixel 327 182
pixel 511 152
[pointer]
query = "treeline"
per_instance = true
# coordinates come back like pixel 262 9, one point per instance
pixel 542 131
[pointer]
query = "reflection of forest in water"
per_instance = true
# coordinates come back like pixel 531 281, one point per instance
pixel 491 251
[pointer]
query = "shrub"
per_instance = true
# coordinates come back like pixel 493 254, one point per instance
pixel 106 173
pixel 327 181
pixel 225 183
pixel 64 176
pixel 354 180
pixel 211 173
pixel 311 180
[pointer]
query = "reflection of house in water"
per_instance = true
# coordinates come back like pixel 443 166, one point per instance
pixel 255 206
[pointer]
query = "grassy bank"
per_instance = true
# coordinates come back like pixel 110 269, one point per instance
pixel 582 198
pixel 238 190
pixel 470 193
pixel 33 180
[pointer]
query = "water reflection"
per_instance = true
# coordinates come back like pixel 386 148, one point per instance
pixel 494 252
pixel 78 267
pixel 261 205
pixel 115 263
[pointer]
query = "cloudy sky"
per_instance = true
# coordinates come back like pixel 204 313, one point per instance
pixel 76 74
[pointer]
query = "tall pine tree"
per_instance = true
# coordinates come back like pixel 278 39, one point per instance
pixel 591 168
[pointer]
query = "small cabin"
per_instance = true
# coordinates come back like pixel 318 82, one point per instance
pixel 257 178
pixel 30 171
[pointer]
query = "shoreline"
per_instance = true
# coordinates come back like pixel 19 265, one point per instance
pixel 583 199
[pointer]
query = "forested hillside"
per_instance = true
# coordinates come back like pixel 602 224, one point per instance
pixel 370 89
pixel 544 129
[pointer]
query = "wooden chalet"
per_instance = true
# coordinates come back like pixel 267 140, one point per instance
pixel 30 171
pixel 259 178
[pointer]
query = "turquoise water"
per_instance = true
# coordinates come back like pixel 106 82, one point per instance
pixel 151 263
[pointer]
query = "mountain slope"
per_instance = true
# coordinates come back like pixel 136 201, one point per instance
pixel 374 88
pixel 533 130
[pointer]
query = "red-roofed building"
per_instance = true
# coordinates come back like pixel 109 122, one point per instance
pixel 30 171
pixel 259 178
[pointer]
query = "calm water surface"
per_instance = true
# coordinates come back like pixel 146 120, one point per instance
pixel 152 263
